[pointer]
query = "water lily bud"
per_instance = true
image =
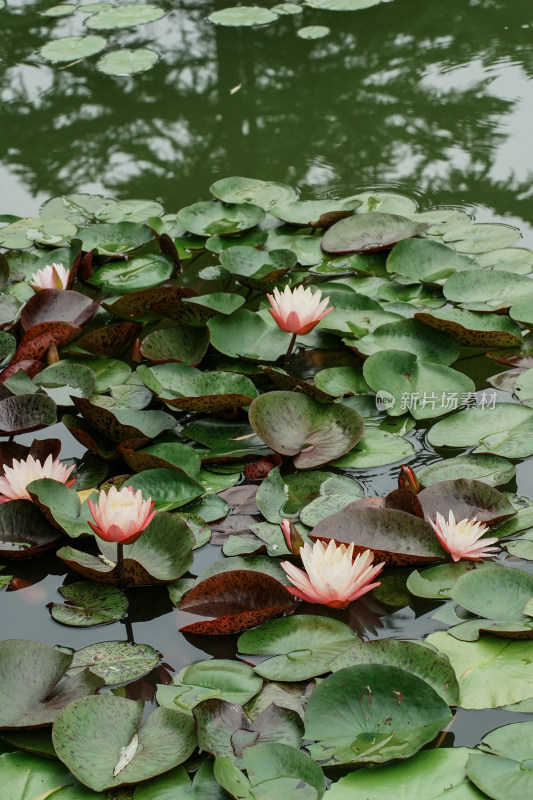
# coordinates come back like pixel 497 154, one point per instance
pixel 136 354
pixel 293 539
pixel 408 480
pixel 52 355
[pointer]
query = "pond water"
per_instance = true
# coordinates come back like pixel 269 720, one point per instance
pixel 432 100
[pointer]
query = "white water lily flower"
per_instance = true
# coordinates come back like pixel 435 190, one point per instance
pixel 21 473
pixel 463 539
pixel 121 516
pixel 332 577
pixel 53 276
pixel 298 311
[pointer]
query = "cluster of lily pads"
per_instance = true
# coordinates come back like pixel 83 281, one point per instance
pixel 161 358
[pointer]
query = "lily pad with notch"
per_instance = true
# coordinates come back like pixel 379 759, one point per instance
pixel 103 756
pixel 184 343
pixel 136 275
pixel 161 555
pixel 24 532
pixel 372 231
pixel 467 499
pixel 370 713
pixel 126 16
pixel 298 426
pixel 413 337
pixel 502 770
pixel 244 334
pixel 168 488
pixel 123 424
pixel 219 219
pixel 115 662
pixel 115 238
pixel 487 291
pixel 231 681
pixel 302 646
pixel 72 48
pixel 58 305
pixel 247 190
pixel 33 687
pixel 492 470
pixel 89 604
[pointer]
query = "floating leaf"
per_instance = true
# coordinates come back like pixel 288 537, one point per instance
pixel 185 343
pixel 234 601
pixel 123 424
pixel 372 713
pixel 296 425
pixel 24 532
pixel 481 238
pixel 468 499
pixel 491 672
pixel 231 681
pixel 115 662
pixel 210 219
pixel 505 429
pixel 313 32
pixel 242 16
pixel 302 646
pixel 89 604
pixel 395 537
pixel 486 291
pixel 166 487
pixel 503 770
pixel 371 231
pixel 245 334
pixel 72 48
pixel 375 449
pixel 473 330
pixel 426 261
pixel 32 691
pixel 126 16
pixel 26 412
pixel 357 5
pixel 127 61
pixel 110 239
pixel 92 750
pixel 413 337
pixel 492 470
pixel 247 190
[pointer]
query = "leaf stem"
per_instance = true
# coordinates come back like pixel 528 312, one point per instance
pixel 289 350
pixel 120 566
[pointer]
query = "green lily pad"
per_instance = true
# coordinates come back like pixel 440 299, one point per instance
pixel 339 381
pixel 426 261
pixel 505 429
pixel 492 672
pixel 168 488
pixel 211 391
pixel 375 449
pixel 245 334
pixel 523 387
pixel 302 646
pixel 184 343
pixel 231 681
pixel 115 662
pixel 224 729
pixel 218 219
pixel 89 604
pixel 264 194
pixel 166 455
pixel 59 11
pixel 136 275
pixel 161 555
pixel 510 259
pixel 29 776
pixel 72 48
pixel 104 756
pixel 316 213
pixel 26 412
pixel 122 424
pixel 313 32
pixel 298 426
pixel 492 470
pixel 112 238
pixel 473 330
pixel 411 656
pixel 355 314
pixel 371 713
pixel 126 16
pixel 423 389
pixel 127 61
pixel 481 237
pixel 446 766
pixel 503 769
pixel 413 337
pixel 395 537
pixel 61 381
pixel 274 770
pixel 436 582
pixel 176 784
pixel 242 16
pixel 487 291
pixel 521 312
pixel 128 210
pixel 498 595
pixel 32 686
pixel 372 231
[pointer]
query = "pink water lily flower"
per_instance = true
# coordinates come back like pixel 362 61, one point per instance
pixel 298 312
pixel 332 577
pixel 463 539
pixel 121 516
pixel 53 276
pixel 21 473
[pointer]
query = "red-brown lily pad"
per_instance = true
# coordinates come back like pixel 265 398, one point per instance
pixel 515 356
pixel 110 339
pixel 30 366
pixel 468 499
pixel 375 230
pixel 233 601
pixel 395 537
pixel 141 305
pixel 58 305
pixel 124 424
pixel 404 500
pixel 39 338
pixel 94 440
pixel 40 449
